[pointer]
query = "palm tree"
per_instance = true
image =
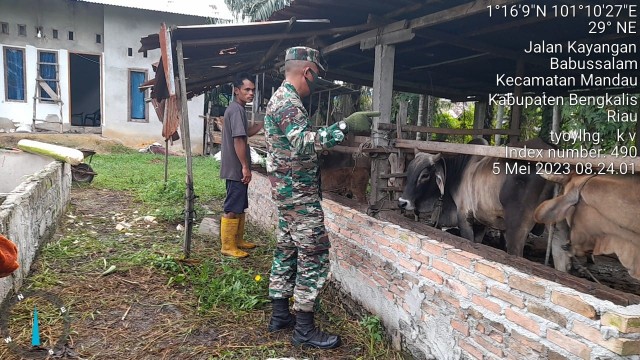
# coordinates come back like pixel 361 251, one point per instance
pixel 255 10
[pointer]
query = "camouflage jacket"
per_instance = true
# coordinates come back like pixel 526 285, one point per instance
pixel 292 162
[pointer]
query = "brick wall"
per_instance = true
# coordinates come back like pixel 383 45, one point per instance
pixel 442 297
pixel 29 215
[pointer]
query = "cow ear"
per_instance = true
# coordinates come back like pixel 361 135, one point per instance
pixel 440 178
pixel 557 209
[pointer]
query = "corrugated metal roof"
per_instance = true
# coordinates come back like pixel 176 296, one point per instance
pixel 201 8
pixel 215 53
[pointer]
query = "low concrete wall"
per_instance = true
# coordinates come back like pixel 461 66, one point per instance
pixel 441 297
pixel 29 215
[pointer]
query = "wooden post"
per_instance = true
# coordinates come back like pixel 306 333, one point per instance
pixel 516 110
pixel 382 101
pixel 499 118
pixel 479 113
pixel 397 160
pixel 421 110
pixel 556 120
pixel 190 196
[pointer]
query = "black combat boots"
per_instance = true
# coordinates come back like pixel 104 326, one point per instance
pixel 281 318
pixel 306 334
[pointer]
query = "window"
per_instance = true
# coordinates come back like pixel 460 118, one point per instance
pixel 144 53
pixel 129 51
pixel 70 35
pixel 5 27
pixel 22 30
pixel 14 74
pixel 48 64
pixel 98 39
pixel 55 34
pixel 137 105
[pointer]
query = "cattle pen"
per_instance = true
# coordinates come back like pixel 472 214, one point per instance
pixel 439 296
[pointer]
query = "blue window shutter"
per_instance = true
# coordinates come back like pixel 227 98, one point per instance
pixel 136 78
pixel 15 74
pixel 48 71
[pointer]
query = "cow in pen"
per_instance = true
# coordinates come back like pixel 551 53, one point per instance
pixel 475 192
pixel 602 214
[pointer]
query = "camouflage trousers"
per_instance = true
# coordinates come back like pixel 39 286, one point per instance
pixel 301 260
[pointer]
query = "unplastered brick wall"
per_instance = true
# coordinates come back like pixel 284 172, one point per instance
pixel 441 297
pixel 29 216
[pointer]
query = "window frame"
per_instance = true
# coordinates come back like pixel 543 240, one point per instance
pixel 6 73
pixel 129 102
pixel 57 66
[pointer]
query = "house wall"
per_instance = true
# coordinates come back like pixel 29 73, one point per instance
pixel 120 28
pixel 84 19
pixel 441 297
pixel 124 28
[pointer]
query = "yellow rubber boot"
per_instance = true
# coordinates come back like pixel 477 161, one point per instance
pixel 240 237
pixel 228 233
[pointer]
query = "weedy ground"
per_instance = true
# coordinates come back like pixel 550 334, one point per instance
pixel 155 304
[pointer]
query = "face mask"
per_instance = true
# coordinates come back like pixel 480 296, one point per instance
pixel 312 84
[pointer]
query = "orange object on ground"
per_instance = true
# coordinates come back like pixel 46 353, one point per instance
pixel 8 257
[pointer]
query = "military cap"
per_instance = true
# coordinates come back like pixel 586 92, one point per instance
pixel 304 53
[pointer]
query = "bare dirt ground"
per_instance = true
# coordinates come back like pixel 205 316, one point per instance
pixel 134 312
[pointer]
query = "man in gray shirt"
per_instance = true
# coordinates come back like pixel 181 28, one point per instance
pixel 235 167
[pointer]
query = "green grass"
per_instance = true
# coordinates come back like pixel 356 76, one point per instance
pixel 143 175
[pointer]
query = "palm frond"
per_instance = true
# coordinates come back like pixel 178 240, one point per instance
pixel 262 10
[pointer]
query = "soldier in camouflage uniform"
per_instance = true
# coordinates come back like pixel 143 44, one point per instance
pixel 301 259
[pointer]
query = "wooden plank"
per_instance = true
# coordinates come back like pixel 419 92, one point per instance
pixel 451 131
pixel 395 37
pixel 473 44
pixel 392 175
pixel 391 188
pixel 186 137
pixel 167 58
pixel 274 47
pixel 354 40
pixel 52 94
pixel 516 110
pixel 439 17
pixel 503 152
pixel 277 36
pixel 457 12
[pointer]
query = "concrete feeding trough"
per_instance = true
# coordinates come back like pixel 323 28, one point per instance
pixel 34 194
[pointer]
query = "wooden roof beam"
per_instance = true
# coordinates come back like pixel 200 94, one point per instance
pixel 277 36
pixel 439 17
pixel 480 47
pixel 421 87
pixel 272 50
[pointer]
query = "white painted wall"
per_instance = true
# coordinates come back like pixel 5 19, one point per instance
pixel 85 20
pixel 121 28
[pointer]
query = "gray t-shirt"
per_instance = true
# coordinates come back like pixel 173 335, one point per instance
pixel 235 124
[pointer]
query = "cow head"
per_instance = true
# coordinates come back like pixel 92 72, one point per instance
pixel 425 180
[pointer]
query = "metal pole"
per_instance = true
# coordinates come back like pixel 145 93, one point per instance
pixel 188 216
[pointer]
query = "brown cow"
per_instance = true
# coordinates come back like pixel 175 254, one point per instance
pixel 602 213
pixel 342 174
